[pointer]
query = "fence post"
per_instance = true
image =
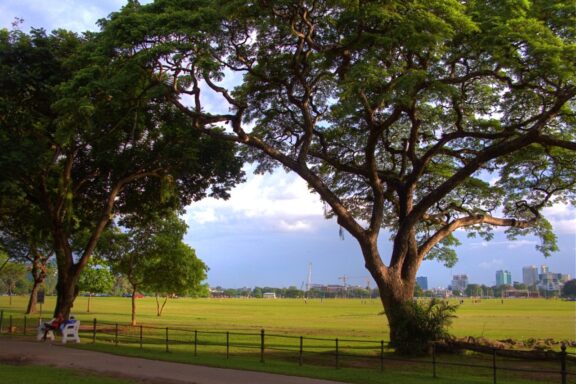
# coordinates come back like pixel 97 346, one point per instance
pixel 494 363
pixel 1 320
pixel 434 359
pixel 167 350
pixel 94 331
pixel 10 327
pixel 563 371
pixel 301 355
pixel 141 336
pixel 25 324
pixel 337 355
pixel 116 335
pixel 381 355
pixel 227 345
pixel 262 346
pixel 195 343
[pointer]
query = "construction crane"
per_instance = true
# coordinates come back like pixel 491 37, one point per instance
pixel 346 278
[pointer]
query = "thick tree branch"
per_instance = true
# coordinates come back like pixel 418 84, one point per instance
pixel 107 213
pixel 449 228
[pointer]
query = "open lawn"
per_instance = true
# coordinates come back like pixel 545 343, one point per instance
pixel 23 374
pixel 319 321
pixel 494 319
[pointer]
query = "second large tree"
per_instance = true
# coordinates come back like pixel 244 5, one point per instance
pixel 87 137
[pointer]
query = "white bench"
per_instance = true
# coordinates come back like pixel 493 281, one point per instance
pixel 70 332
pixel 40 333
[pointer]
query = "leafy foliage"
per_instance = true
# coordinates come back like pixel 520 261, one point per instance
pixel 420 324
pixel 87 137
pixel 96 278
pixel 154 258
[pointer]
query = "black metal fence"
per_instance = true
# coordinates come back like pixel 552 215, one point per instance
pixel 496 365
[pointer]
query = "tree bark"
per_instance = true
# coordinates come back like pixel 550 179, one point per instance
pixel 38 272
pixel 67 291
pixel 160 308
pixel 396 282
pixel 134 292
pixel 31 308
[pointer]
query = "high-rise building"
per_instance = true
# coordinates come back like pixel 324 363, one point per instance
pixel 459 282
pixel 422 282
pixel 530 275
pixel 503 278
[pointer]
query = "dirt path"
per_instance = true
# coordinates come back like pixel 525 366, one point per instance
pixel 149 371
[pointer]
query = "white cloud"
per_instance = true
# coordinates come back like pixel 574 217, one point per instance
pixel 75 15
pixel 509 244
pixel 491 264
pixel 202 216
pixel 562 217
pixel 295 226
pixel 281 200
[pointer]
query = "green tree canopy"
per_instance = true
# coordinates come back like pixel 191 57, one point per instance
pixel 87 137
pixel 12 274
pixel 417 117
pixel 95 278
pixel 154 259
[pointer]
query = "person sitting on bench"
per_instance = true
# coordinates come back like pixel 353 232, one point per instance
pixel 53 325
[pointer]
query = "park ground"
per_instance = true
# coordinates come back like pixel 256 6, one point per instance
pixel 19 351
pixel 360 319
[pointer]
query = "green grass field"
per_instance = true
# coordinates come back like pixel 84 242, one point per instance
pixel 514 318
pixel 328 319
pixel 22 374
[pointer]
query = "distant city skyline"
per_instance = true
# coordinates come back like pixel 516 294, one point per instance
pixel 272 227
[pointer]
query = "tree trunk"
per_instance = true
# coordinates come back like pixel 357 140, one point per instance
pixel 31 308
pixel 396 283
pixel 395 298
pixel 160 308
pixel 67 290
pixel 89 299
pixel 38 272
pixel 133 306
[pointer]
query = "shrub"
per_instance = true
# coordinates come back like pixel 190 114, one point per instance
pixel 420 324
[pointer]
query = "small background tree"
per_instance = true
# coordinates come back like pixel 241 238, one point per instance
pixel 175 272
pixel 95 278
pixel 12 277
pixel 154 258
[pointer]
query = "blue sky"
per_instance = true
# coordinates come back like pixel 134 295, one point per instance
pixel 272 227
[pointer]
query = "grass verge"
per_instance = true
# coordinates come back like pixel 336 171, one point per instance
pixel 23 374
pixel 395 371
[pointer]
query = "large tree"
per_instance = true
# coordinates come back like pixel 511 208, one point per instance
pixel 87 139
pixel 411 119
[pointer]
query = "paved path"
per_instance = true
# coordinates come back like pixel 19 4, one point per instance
pixel 150 371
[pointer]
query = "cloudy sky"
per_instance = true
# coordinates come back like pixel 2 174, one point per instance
pixel 272 228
